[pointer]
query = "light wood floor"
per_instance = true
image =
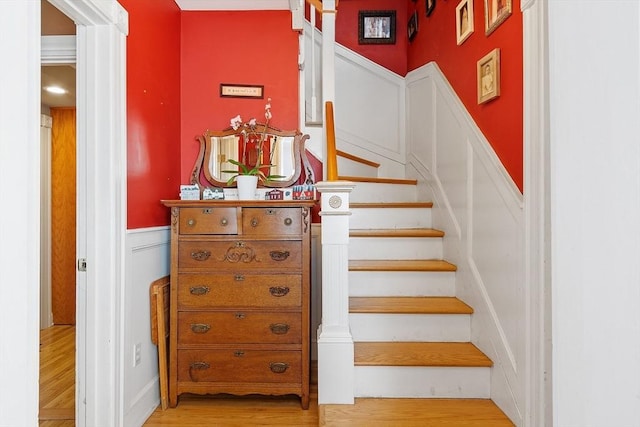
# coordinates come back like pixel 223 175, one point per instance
pixel 57 376
pixel 57 394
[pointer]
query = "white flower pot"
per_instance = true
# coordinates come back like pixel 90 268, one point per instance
pixel 247 185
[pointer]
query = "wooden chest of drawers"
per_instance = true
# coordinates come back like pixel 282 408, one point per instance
pixel 240 285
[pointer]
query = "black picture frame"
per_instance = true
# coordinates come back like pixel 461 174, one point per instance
pixel 431 4
pixel 412 26
pixel 377 27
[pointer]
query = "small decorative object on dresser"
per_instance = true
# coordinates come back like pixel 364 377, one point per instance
pixel 240 298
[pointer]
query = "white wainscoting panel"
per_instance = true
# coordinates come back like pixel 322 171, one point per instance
pixel 480 208
pixel 369 127
pixel 147 259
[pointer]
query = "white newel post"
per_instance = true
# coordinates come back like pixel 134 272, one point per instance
pixel 335 344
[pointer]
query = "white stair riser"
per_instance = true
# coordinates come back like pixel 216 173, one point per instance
pixel 402 283
pixel 348 167
pixel 395 248
pixel 375 218
pixel 422 382
pixel 410 327
pixel 376 192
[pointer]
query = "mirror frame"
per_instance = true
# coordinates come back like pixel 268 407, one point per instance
pixel 202 170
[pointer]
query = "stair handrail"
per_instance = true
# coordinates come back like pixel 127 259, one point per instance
pixel 332 154
pixel 317 4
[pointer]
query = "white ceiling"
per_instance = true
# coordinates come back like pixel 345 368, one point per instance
pixel 54 22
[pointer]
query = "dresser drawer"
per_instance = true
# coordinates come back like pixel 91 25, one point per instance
pixel 208 220
pixel 201 327
pixel 239 365
pixel 241 255
pixel 239 290
pixel 272 221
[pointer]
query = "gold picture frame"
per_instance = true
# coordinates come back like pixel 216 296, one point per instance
pixel 495 13
pixel 488 76
pixel 464 20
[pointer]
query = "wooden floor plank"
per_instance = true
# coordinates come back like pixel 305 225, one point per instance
pixel 57 376
pixel 408 305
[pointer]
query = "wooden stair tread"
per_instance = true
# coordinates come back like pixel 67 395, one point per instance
pixel 391 205
pixel 379 180
pixel 401 265
pixel 461 354
pixel 367 412
pixel 397 232
pixel 408 305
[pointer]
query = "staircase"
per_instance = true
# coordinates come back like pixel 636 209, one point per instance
pixel 414 362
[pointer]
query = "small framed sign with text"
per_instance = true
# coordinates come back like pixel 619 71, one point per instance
pixel 241 91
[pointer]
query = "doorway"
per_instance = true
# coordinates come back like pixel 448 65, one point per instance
pixel 58 218
pixel 101 27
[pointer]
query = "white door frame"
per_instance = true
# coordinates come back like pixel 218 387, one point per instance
pixel 536 383
pixel 101 206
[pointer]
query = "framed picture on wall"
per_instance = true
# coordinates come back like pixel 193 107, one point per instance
pixel 412 26
pixel 488 76
pixel 431 4
pixel 377 27
pixel 464 20
pixel 495 12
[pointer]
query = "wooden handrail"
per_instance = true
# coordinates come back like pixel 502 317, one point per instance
pixel 332 155
pixel 317 4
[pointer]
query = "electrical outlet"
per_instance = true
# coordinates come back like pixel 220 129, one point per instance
pixel 137 348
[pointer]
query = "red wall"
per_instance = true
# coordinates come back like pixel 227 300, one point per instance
pixel 501 120
pixel 248 47
pixel 153 110
pixel 390 56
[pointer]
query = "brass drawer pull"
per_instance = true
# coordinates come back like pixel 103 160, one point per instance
pixel 238 353
pixel 288 221
pixel 238 277
pixel 224 222
pixel 278 367
pixel 279 291
pixel 279 328
pixel 200 366
pixel 191 222
pixel 200 328
pixel 200 255
pixel 254 222
pixel 240 316
pixel 279 255
pixel 199 290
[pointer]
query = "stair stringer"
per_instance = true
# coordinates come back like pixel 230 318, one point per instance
pixel 480 210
